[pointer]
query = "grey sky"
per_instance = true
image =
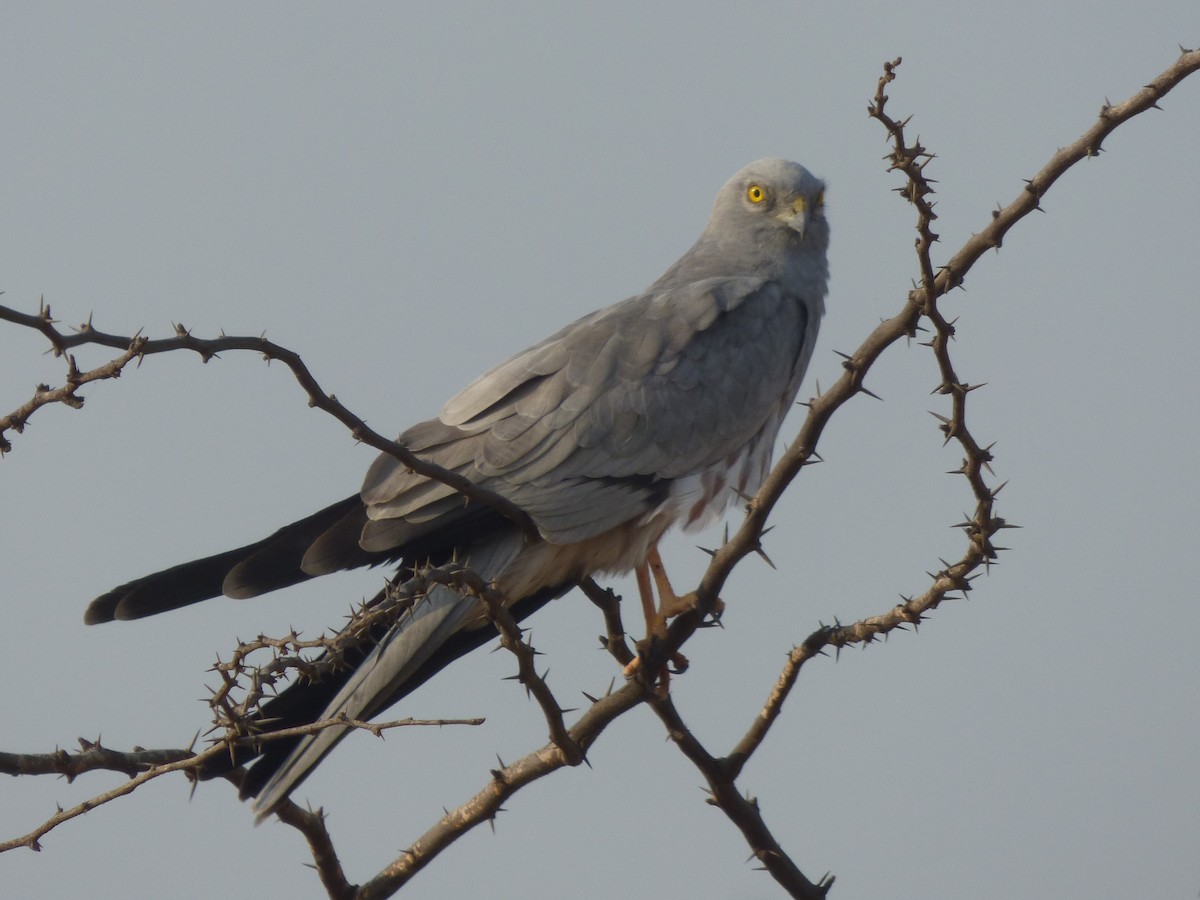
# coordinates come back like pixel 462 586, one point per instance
pixel 406 196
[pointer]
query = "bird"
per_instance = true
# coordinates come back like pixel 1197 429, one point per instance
pixel 659 411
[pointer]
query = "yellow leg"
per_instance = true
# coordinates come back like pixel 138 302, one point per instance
pixel 669 605
pixel 646 593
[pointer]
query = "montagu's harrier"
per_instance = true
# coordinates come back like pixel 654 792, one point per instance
pixel 658 411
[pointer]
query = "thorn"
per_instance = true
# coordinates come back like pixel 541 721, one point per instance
pixel 761 552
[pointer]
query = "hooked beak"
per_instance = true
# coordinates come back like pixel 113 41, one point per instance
pixel 796 216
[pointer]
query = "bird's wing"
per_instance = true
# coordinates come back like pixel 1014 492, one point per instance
pixel 265 565
pixel 584 430
pixel 580 431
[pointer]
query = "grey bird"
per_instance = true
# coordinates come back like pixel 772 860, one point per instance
pixel 658 411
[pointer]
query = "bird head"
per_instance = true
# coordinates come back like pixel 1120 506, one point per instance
pixel 772 200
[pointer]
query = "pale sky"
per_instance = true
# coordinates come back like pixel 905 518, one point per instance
pixel 406 195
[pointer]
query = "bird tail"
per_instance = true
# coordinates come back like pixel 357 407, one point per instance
pixel 402 659
pixel 374 677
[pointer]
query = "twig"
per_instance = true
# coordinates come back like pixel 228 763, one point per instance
pixel 468 582
pixel 32 840
pixel 91 758
pixel 139 347
pixel 311 824
pixel 613 640
pixel 742 810
pixel 145 765
pixel 505 781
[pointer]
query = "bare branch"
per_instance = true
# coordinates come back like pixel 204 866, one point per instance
pixel 139 347
pixel 311 823
pixel 613 640
pixel 145 765
pixel 91 758
pixel 32 840
pixel 504 782
pixel 742 810
pixel 467 582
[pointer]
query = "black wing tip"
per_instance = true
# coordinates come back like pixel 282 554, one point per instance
pixel 100 610
pixel 112 607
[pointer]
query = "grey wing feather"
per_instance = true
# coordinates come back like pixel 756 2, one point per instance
pixel 578 429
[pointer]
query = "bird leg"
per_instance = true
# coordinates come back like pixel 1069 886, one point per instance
pixel 669 605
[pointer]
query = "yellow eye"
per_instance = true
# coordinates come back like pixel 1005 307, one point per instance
pixel 755 194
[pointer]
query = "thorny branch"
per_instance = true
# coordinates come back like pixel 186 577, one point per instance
pixel 146 765
pixel 569 745
pixel 910 159
pixel 138 347
pixel 91 757
pixel 32 840
pixel 511 639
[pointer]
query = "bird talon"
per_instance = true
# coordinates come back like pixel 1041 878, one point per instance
pixel 661 683
pixel 670 607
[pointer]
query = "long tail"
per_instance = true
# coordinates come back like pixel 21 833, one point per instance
pixel 374 677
